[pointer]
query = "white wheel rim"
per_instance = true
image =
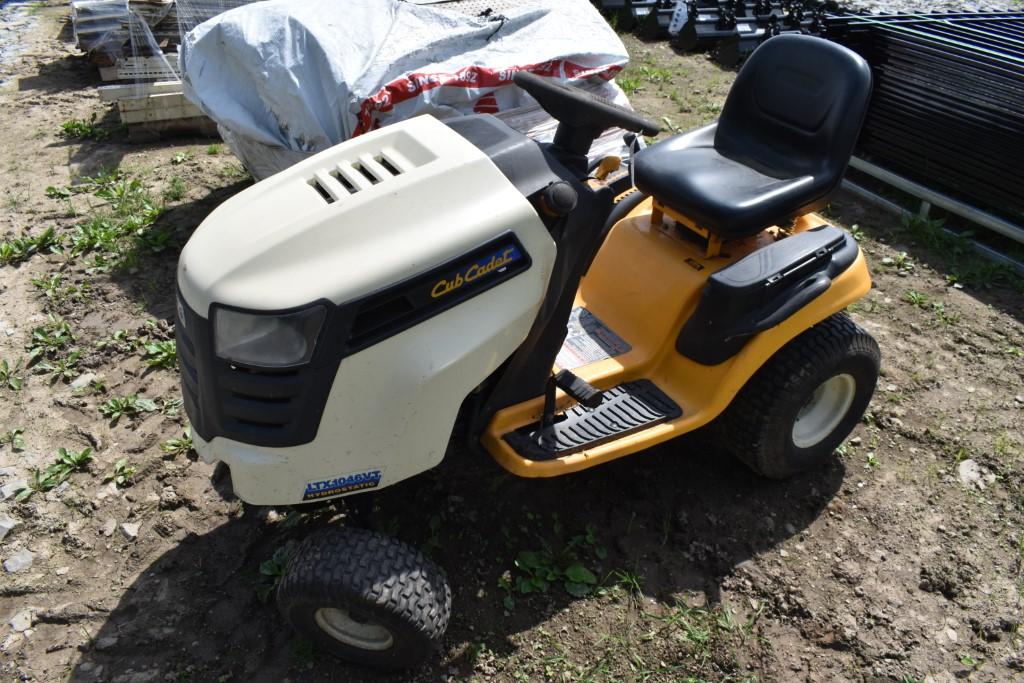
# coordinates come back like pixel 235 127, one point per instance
pixel 339 624
pixel 824 410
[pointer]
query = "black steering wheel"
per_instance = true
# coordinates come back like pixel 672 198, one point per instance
pixel 578 108
pixel 581 116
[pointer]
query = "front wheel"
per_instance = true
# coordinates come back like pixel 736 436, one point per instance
pixel 366 598
pixel 804 401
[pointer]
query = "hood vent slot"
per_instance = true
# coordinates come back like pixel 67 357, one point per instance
pixel 350 177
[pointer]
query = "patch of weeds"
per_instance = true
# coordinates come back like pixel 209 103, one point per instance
pixel 49 339
pixel 944 317
pixel 18 249
pixel 39 481
pixel 539 570
pixel 14 438
pixel 116 232
pixel 856 232
pixel 630 84
pixel 916 299
pixel 175 189
pixel 67 462
pixel 177 446
pixel 182 157
pixel 213 150
pixel 233 172
pixel 171 408
pixel 1004 445
pixel 58 294
pixel 126 406
pixel 161 354
pixel 121 341
pixel 122 474
pixel 72 461
pixel 872 462
pixel 967 660
pixel 10 376
pixel 64 368
pixel 83 129
pixel 964 265
pixel 901 262
pixel 272 571
pixel 655 74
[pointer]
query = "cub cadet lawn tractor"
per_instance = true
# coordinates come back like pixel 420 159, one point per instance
pixel 336 319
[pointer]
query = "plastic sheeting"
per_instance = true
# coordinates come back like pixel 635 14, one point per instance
pixel 285 79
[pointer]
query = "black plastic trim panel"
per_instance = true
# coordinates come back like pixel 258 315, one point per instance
pixel 762 290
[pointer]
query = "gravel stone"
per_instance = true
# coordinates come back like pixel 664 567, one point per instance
pixel 19 561
pixel 6 524
pixel 22 621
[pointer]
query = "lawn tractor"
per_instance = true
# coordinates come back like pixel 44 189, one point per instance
pixel 341 323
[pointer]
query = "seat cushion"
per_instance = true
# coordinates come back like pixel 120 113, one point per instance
pixel 731 199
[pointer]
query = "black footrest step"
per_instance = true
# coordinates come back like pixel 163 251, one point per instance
pixel 627 408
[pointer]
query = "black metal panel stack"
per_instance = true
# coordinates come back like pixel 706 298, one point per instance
pixel 948 104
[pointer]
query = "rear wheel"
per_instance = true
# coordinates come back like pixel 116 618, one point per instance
pixel 366 597
pixel 804 401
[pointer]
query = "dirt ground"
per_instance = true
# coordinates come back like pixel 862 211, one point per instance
pixel 901 561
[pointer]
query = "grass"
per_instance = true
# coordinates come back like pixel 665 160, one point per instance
pixel 213 150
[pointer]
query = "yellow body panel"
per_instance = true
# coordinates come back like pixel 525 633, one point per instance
pixel 644 283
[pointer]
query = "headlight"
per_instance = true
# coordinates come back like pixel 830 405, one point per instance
pixel 267 340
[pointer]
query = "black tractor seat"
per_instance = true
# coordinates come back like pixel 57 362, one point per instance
pixel 780 147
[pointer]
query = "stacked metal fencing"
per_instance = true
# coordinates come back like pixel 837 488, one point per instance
pixel 948 103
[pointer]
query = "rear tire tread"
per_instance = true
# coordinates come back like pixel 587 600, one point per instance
pixel 745 426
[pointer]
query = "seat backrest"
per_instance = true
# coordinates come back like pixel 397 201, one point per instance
pixel 796 108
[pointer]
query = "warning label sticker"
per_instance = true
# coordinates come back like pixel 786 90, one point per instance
pixel 588 341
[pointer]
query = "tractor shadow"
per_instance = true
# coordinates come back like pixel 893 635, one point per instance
pixel 680 518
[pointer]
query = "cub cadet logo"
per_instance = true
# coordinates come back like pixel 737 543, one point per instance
pixel 495 263
pixel 344 484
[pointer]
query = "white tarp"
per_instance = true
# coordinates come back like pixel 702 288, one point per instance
pixel 288 78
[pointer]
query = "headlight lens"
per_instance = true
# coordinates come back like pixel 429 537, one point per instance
pixel 267 340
